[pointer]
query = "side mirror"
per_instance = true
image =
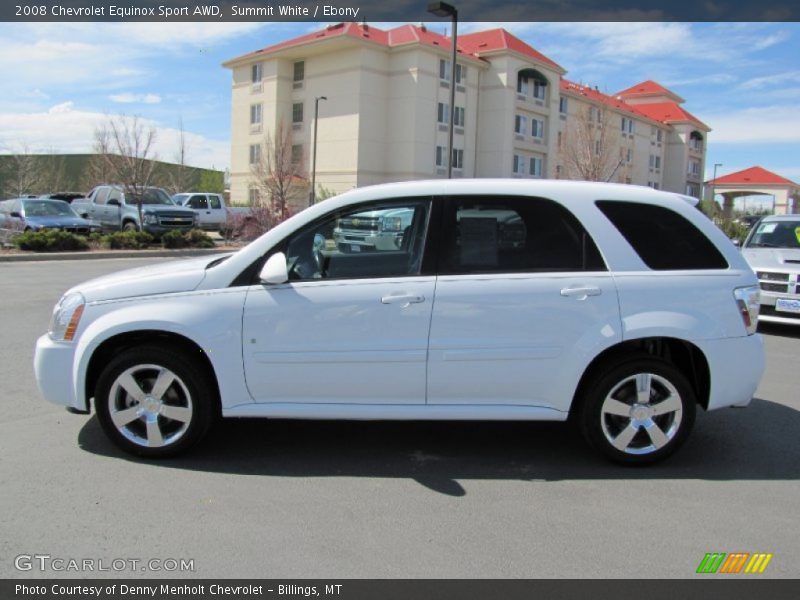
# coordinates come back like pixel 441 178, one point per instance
pixel 84 215
pixel 274 270
pixel 737 243
pixel 113 202
pixel 15 214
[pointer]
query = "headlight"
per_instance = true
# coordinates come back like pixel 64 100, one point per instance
pixel 151 219
pixel 66 316
pixel 392 224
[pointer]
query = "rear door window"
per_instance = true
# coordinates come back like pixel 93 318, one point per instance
pixel 484 234
pixel 663 239
pixel 214 201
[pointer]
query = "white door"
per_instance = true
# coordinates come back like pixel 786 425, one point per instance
pixel 347 327
pixel 522 304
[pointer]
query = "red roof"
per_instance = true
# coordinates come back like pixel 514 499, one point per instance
pixel 753 175
pixel 669 112
pixel 598 96
pixel 405 34
pixel 649 88
pixel 499 39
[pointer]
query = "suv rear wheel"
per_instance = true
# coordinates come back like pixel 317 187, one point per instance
pixel 638 411
pixel 153 402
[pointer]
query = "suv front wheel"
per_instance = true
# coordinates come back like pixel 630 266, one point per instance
pixel 638 411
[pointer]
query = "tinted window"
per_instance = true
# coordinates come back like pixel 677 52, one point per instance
pixel 382 240
pixel 198 201
pixel 214 200
pixel 515 235
pixel 661 237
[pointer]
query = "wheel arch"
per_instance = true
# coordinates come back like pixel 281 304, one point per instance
pixel 682 354
pixel 112 346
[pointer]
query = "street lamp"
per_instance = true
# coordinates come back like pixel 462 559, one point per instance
pixel 312 194
pixel 442 9
pixel 714 184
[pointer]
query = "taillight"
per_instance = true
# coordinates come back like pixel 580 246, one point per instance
pixel 747 301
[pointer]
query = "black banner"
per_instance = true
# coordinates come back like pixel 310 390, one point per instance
pixel 423 589
pixel 397 10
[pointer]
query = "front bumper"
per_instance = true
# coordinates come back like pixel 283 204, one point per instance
pixel 159 230
pixel 53 367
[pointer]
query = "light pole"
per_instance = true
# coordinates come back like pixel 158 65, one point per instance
pixel 442 9
pixel 313 193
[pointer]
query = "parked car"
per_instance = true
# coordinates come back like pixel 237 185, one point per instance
pixel 624 307
pixel 115 209
pixel 372 230
pixel 211 210
pixel 36 214
pixel 772 248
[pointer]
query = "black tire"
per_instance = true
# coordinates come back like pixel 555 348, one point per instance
pixel 190 399
pixel 670 409
pixel 129 226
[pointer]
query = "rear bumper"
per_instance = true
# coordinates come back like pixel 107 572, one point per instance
pixel 736 366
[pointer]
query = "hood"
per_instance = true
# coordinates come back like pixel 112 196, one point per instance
pixel 58 221
pixel 781 259
pixel 165 208
pixel 164 278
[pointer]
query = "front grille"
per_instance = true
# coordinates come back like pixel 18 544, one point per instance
pixel 775 287
pixel 767 276
pixel 175 221
pixel 359 224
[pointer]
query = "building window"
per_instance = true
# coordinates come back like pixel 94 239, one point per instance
pixel 297 112
pixel 253 197
pixel 519 164
pixel 659 135
pixel 597 147
pixel 443 113
pixel 444 71
pixel 522 85
pixel 520 124
pixel 652 161
pixel 461 73
pixel 694 167
pixel 656 185
pixel 297 154
pixel 536 167
pixel 658 162
pixel 299 70
pixel 539 89
pixel 255 114
pixel 537 128
pixel 627 125
pixel 459 116
pixel 458 158
pixel 255 73
pixel 563 105
pixel 441 154
pixel 560 136
pixel 255 154
pixel 629 156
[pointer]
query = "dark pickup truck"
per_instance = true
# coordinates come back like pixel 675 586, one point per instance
pixel 115 210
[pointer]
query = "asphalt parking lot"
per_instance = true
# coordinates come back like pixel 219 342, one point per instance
pixel 283 499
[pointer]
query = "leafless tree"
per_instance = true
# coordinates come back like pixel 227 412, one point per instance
pixel 24 174
pixel 129 158
pixel 279 175
pixel 590 148
pixel 100 168
pixel 181 177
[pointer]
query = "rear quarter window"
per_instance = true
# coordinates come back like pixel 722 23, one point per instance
pixel 663 239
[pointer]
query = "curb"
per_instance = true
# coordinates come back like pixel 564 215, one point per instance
pixel 87 255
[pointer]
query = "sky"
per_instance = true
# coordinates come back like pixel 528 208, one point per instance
pixel 60 80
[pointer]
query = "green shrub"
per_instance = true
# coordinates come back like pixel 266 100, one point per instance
pixel 189 239
pixel 128 240
pixel 51 240
pixel 734 230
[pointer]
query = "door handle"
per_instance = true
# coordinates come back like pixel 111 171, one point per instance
pixel 581 292
pixel 404 299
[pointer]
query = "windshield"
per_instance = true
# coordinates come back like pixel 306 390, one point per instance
pixel 150 196
pixel 47 208
pixel 775 234
pixel 180 198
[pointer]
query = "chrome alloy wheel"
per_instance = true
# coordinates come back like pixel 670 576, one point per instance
pixel 150 405
pixel 641 414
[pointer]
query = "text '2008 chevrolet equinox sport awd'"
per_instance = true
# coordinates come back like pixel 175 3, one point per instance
pixel 499 300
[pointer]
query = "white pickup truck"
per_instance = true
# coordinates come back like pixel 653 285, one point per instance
pixel 210 208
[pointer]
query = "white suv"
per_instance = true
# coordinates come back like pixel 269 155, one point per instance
pixel 620 306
